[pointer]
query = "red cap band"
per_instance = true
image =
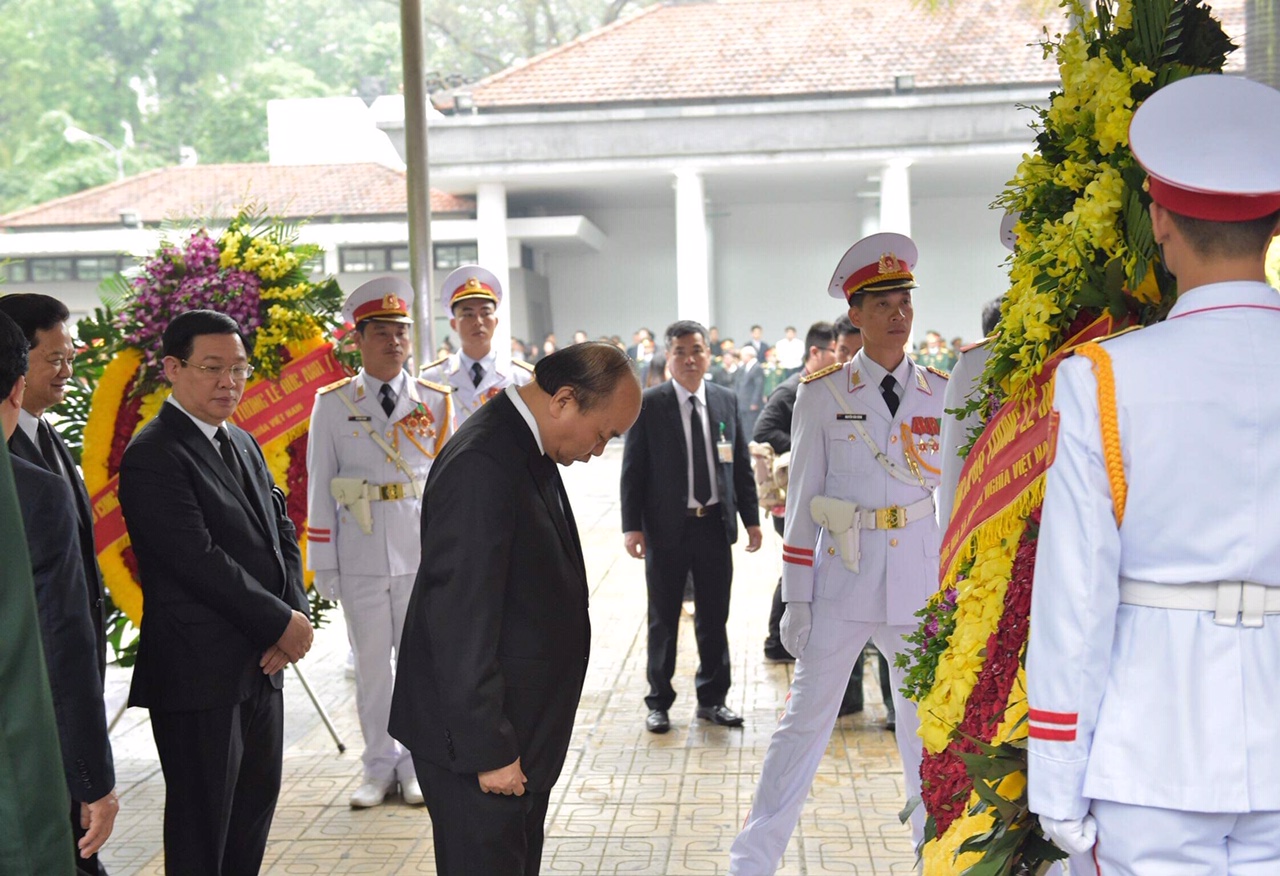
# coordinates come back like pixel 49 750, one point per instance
pixel 1212 206
pixel 379 307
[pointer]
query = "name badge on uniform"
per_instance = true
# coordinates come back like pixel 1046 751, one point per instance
pixel 858 417
pixel 359 419
pixel 724 451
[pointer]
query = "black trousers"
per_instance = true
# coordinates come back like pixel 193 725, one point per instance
pixel 475 832
pixel 704 551
pixel 222 777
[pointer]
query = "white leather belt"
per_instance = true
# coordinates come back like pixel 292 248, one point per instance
pixel 393 492
pixel 895 516
pixel 1231 602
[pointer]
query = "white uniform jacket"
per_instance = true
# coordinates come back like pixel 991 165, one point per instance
pixel 899 567
pixel 1152 706
pixel 339 445
pixel 965 380
pixel 467 399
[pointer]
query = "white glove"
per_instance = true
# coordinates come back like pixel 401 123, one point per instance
pixel 326 583
pixel 797 621
pixel 1075 836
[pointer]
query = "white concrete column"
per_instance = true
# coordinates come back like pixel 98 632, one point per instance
pixel 493 253
pixel 895 196
pixel 693 250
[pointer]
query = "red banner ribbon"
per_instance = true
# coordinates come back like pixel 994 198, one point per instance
pixel 268 409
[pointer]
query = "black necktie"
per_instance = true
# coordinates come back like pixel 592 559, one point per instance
pixel 44 435
pixel 698 447
pixel 477 373
pixel 890 394
pixel 230 458
pixel 388 398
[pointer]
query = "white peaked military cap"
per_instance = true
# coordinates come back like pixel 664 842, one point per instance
pixel 879 263
pixel 1008 236
pixel 382 299
pixel 467 282
pixel 1211 147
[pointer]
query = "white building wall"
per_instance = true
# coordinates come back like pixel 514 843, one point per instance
pixel 961 264
pixel 773 262
pixel 630 282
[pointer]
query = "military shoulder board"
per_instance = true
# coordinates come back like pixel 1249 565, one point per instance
pixel 335 385
pixel 817 375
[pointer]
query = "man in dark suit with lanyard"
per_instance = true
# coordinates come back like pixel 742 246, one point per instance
pixel 495 643
pixel 225 606
pixel 680 518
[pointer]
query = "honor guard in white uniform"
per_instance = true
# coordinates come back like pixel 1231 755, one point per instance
pixel 1155 615
pixel 372 441
pixel 860 549
pixel 477 372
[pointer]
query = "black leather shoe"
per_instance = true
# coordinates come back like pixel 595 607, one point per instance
pixel 777 654
pixel 657 722
pixel 848 709
pixel 891 724
pixel 721 714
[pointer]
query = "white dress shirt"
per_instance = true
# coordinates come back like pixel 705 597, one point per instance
pixel 682 396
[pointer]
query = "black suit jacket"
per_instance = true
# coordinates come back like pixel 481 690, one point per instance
pixel 219 577
pixel 774 426
pixel 66 631
pixel 750 389
pixel 655 479
pixel 24 448
pixel 496 639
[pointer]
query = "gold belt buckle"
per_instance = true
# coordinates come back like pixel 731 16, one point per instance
pixel 893 517
pixel 391 492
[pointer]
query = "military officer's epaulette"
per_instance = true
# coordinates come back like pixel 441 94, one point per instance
pixel 520 363
pixel 945 375
pixel 439 361
pixel 438 387
pixel 830 369
pixel 976 344
pixel 332 386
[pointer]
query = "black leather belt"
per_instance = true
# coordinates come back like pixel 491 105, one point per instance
pixel 704 511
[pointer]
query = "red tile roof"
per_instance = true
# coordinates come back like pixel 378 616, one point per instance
pixel 216 191
pixel 753 49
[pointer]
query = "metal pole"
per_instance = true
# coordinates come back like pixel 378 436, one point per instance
pixel 324 716
pixel 415 157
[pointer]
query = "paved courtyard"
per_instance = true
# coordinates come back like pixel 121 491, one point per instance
pixel 627 802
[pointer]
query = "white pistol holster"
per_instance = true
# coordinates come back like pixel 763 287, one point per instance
pixel 352 494
pixel 840 519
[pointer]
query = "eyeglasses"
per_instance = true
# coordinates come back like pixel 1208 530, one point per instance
pixel 238 373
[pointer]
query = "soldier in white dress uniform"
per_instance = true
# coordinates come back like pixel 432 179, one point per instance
pixel 1155 638
pixel 477 372
pixel 372 441
pixel 860 550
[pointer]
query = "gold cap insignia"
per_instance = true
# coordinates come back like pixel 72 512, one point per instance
pixel 390 301
pixel 889 263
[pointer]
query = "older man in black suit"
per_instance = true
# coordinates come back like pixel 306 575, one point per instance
pixel 680 518
pixel 495 643
pixel 66 632
pixel 46 322
pixel 225 606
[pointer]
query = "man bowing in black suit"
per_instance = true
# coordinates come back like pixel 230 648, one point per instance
pixel 224 604
pixel 679 518
pixel 495 643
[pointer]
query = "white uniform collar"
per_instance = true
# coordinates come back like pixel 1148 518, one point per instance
pixel 876 371
pixel 513 393
pixel 375 385
pixel 1228 294
pixel 489 363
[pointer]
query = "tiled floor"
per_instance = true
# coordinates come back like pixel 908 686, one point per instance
pixel 627 802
